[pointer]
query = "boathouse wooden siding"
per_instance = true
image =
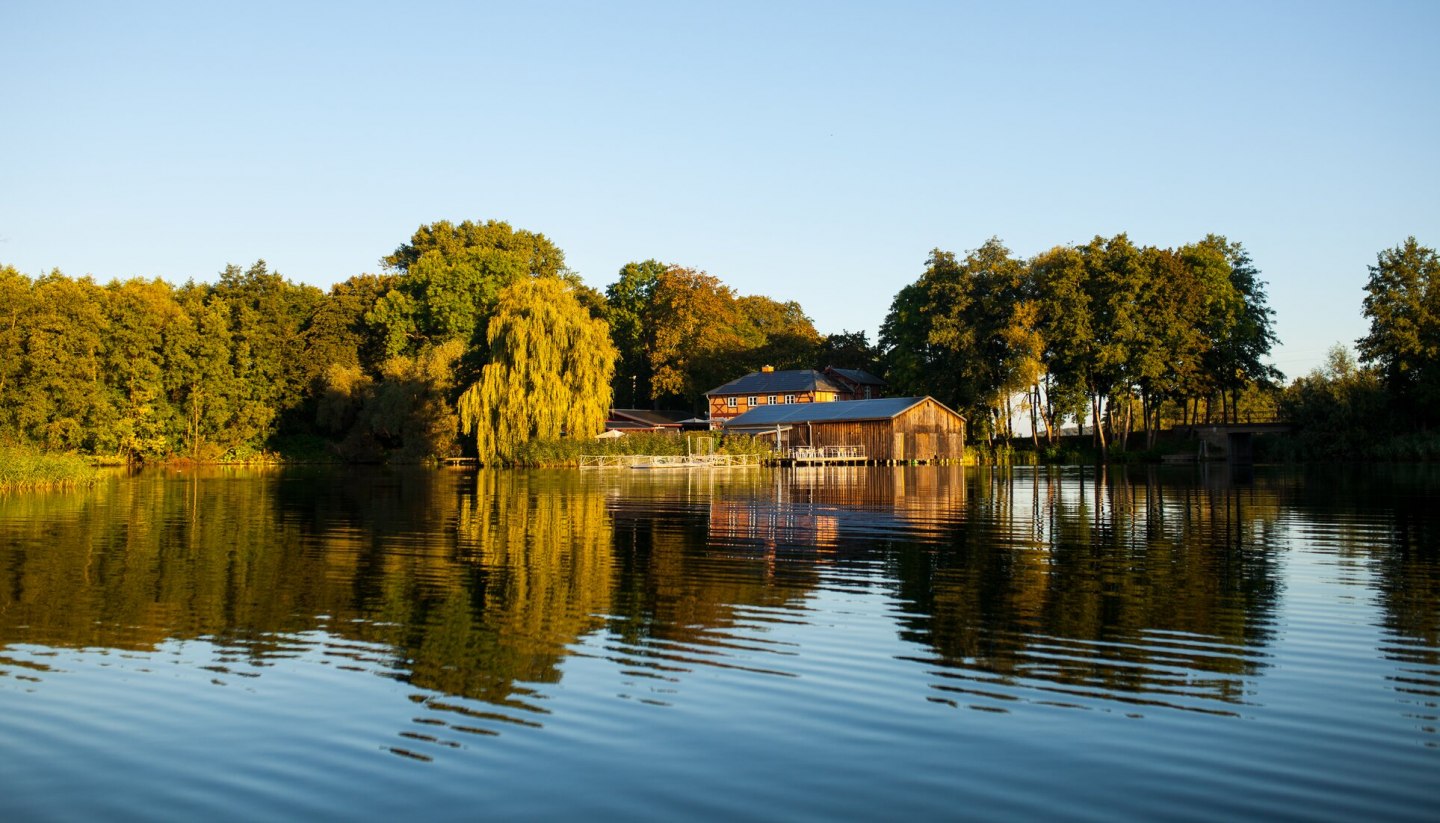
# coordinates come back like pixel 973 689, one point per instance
pixel 898 429
pixel 925 432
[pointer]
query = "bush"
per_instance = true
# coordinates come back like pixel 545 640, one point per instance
pixel 24 469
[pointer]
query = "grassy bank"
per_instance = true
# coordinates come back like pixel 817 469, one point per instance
pixel 27 469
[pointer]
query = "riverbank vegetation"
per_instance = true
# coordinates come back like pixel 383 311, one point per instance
pixel 569 451
pixel 476 339
pixel 24 469
pixel 1386 405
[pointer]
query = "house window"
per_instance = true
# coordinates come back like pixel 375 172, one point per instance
pixel 730 402
pixel 750 401
pixel 773 399
pixel 789 398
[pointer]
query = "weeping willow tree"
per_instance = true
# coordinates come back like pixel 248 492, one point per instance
pixel 549 371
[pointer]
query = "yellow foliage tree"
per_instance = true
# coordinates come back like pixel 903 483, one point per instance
pixel 549 371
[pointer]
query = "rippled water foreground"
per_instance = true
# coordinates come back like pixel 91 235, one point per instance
pixel 832 643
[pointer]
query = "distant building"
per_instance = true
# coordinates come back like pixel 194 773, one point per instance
pixel 858 383
pixel 886 429
pixel 769 387
pixel 645 420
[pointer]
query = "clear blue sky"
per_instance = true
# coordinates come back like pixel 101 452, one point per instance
pixel 807 151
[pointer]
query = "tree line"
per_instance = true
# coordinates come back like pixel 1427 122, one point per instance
pixel 476 332
pixel 1108 331
pixel 1386 403
pixel 477 337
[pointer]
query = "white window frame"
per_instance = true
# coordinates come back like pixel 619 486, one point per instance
pixel 789 399
pixel 731 402
pixel 750 401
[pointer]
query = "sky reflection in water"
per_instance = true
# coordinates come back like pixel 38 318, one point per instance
pixel 830 643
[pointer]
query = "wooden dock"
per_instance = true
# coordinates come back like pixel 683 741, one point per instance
pixel 667 461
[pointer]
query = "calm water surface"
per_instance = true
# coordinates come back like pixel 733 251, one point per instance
pixel 848 643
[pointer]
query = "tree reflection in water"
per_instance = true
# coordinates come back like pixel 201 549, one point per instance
pixel 1073 587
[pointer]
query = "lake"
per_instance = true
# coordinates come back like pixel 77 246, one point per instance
pixel 830 643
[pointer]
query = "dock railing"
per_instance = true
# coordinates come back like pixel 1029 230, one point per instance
pixel 828 454
pixel 666 461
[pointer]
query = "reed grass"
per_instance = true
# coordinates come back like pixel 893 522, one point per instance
pixel 565 452
pixel 23 469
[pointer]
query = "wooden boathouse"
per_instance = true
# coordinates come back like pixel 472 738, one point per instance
pixel 887 430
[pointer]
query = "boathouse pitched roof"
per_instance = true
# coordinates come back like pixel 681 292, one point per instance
pixel 885 408
pixel 778 382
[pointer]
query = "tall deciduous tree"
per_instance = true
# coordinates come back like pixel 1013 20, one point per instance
pixel 774 333
pixel 451 279
pixel 629 305
pixel 16 305
pixel 145 324
pixel 549 372
pixel 693 316
pixel 966 332
pixel 1067 327
pixel 1236 360
pixel 850 350
pixel 1402 302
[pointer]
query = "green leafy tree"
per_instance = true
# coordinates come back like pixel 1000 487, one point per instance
pixel 16 305
pixel 850 350
pixel 774 333
pixel 452 276
pixel 59 399
pixel 1067 328
pixel 1237 358
pixel 337 332
pixel 408 411
pixel 629 303
pixel 1402 302
pixel 267 317
pixel 143 314
pixel 912 364
pixel 693 319
pixel 967 333
pixel 206 388
pixel 549 372
pixel 1339 409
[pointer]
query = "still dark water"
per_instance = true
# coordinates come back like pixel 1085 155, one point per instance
pixel 913 643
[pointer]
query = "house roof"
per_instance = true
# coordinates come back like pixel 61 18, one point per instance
pixel 648 417
pixel 777 382
pixel 763 417
pixel 859 376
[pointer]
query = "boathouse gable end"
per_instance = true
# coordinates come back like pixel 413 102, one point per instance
pixel 889 429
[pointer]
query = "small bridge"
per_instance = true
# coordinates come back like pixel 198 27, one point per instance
pixel 1236 441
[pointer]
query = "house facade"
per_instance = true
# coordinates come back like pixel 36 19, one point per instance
pixel 769 387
